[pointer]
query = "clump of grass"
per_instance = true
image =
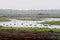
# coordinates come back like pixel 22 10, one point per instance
pixel 1 26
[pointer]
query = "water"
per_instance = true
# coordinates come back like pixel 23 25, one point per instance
pixel 22 23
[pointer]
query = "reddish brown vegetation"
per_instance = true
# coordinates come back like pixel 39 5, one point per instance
pixel 15 35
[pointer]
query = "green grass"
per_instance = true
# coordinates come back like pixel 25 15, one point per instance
pixel 29 18
pixel 29 29
pixel 4 20
pixel 52 22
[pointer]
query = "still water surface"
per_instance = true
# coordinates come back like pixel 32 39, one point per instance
pixel 24 23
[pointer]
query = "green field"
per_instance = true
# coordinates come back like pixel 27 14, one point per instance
pixel 52 22
pixel 29 29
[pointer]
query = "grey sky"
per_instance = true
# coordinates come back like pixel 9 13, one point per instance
pixel 29 4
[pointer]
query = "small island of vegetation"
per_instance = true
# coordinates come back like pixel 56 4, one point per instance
pixel 52 22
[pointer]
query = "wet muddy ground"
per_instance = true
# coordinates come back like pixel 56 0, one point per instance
pixel 16 35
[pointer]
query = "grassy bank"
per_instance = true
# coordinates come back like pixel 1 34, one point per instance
pixel 29 18
pixel 29 29
pixel 4 19
pixel 52 22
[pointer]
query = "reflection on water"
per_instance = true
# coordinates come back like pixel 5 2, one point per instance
pixel 21 23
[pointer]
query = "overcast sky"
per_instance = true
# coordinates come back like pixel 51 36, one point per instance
pixel 29 4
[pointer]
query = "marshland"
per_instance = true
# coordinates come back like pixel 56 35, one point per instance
pixel 45 24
